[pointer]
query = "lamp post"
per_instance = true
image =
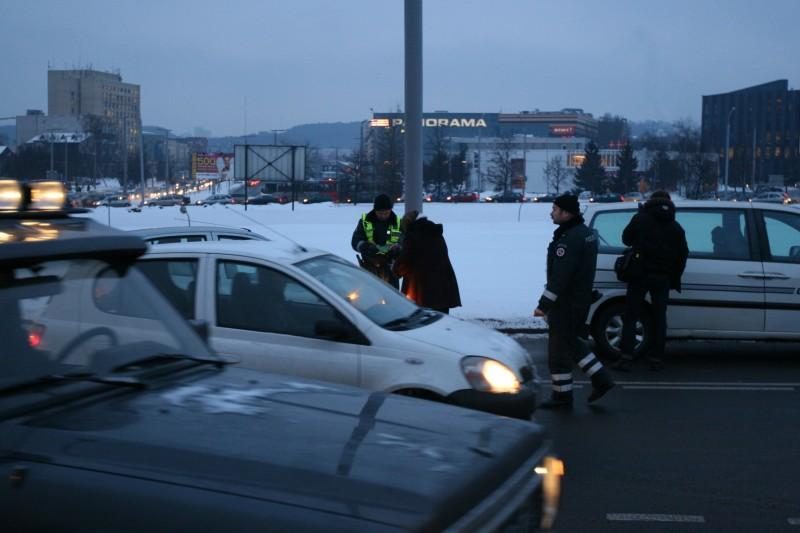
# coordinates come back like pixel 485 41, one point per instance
pixel 727 144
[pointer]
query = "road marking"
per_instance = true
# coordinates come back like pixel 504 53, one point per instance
pixel 707 388
pixel 700 385
pixel 641 517
pixel 793 521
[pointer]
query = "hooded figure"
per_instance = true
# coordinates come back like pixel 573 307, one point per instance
pixel 424 264
pixel 661 241
pixel 654 232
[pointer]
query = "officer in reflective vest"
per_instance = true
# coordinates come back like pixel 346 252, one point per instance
pixel 571 263
pixel 377 238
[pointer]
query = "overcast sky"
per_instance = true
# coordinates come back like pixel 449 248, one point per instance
pixel 265 64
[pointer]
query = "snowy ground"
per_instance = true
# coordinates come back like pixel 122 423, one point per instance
pixel 498 250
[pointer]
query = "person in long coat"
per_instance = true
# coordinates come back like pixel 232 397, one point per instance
pixel 424 264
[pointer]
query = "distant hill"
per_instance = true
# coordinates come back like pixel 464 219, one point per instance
pixel 322 135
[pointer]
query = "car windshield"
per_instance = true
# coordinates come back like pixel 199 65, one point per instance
pixel 79 317
pixel 377 300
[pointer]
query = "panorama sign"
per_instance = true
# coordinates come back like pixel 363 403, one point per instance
pixel 453 122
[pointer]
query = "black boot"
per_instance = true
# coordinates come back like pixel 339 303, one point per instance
pixel 558 400
pixel 601 384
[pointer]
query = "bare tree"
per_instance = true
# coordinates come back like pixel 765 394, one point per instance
pixel 501 169
pixel 556 174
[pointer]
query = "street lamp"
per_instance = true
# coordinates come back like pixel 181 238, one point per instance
pixel 727 145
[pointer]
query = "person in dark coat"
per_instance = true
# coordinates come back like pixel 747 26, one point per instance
pixel 565 302
pixel 424 265
pixel 661 241
pixel 377 238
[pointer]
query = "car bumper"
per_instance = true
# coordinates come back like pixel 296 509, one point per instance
pixel 519 405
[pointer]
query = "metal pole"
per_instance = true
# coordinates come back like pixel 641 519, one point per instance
pixel 51 155
pixel 166 157
pixel 66 161
pixel 727 145
pixel 141 163
pixel 413 97
pixel 293 183
pixel 753 175
pixel 246 171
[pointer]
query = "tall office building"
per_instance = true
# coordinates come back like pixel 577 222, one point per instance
pixel 761 127
pixel 86 92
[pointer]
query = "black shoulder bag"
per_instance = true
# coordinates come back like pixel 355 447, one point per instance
pixel 628 266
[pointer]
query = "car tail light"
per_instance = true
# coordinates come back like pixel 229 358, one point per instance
pixel 35 335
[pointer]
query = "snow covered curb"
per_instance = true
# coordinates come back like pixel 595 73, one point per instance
pixel 515 325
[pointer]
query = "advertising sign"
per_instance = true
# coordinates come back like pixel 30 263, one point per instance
pixel 212 166
pixel 562 131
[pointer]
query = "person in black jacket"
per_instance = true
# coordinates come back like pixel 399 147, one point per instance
pixel 378 238
pixel 424 265
pixel 571 264
pixel 661 241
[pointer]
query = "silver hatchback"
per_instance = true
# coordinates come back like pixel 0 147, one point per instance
pixel 742 279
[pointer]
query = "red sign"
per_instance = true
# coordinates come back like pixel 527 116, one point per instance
pixel 562 131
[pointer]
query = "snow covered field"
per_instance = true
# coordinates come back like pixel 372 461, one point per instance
pixel 498 250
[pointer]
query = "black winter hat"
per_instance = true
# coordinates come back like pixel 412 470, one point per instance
pixel 382 202
pixel 569 203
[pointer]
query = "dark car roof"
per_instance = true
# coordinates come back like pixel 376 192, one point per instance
pixel 31 240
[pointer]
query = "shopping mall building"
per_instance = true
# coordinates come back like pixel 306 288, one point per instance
pixel 532 138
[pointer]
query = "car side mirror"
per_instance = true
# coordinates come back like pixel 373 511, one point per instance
pixel 332 330
pixel 183 209
pixel 201 328
pixel 794 251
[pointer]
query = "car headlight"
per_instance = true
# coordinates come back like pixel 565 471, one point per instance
pixel 488 375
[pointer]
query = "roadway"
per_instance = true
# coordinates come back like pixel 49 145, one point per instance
pixel 708 444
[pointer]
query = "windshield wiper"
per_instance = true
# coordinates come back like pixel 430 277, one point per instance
pixel 96 378
pixel 169 358
pixel 81 377
pixel 404 321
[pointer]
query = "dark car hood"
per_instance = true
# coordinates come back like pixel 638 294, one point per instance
pixel 382 458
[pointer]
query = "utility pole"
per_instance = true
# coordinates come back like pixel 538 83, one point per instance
pixel 727 145
pixel 413 101
pixel 166 157
pixel 125 154
pixel 66 161
pixel 141 162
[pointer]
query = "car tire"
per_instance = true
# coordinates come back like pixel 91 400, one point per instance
pixel 607 332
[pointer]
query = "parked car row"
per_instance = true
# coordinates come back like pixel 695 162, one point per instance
pixel 113 400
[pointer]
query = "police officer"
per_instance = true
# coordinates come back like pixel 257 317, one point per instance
pixel 377 238
pixel 571 263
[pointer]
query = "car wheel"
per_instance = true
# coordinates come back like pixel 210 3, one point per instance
pixel 607 332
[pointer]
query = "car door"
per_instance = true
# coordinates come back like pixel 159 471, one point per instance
pixel 781 249
pixel 276 323
pixel 723 285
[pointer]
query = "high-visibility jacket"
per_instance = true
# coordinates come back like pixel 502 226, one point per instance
pixel 393 233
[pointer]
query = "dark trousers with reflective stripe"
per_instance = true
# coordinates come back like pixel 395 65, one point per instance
pixel 566 348
pixel 658 287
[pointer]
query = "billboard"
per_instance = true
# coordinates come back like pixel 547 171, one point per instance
pixel 270 163
pixel 212 166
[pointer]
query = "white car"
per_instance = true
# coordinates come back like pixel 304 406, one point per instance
pixel 742 279
pixel 290 310
pixel 172 234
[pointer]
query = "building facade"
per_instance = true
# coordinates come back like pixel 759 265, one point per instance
pixel 528 140
pixel 764 136
pixel 86 92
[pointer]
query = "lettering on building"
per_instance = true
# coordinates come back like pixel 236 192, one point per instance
pixel 434 122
